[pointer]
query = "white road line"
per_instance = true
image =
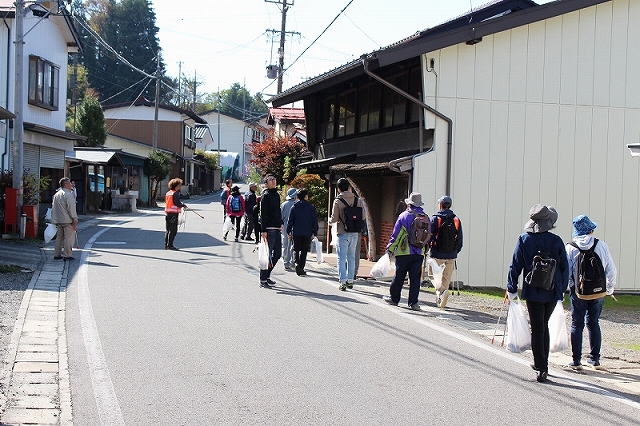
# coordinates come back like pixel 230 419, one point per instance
pixel 482 345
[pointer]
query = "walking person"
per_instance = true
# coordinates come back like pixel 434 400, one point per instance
pixel 65 217
pixel 348 232
pixel 446 243
pixel 172 207
pixel 588 306
pixel 235 209
pixel 302 227
pixel 224 195
pixel 409 257
pixel 250 200
pixel 287 242
pixel 540 301
pixel 271 225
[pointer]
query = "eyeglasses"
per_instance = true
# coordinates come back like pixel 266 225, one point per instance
pixel 270 179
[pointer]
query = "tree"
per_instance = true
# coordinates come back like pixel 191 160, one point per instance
pixel 318 193
pixel 277 155
pixel 91 122
pixel 157 166
pixel 236 102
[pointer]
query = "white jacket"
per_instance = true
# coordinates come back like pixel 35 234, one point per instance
pixel 602 250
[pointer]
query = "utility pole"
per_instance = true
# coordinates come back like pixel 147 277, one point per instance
pixel 157 105
pixel 283 32
pixel 18 107
pixel 219 102
pixel 195 85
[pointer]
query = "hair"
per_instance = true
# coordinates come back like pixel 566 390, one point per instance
pixel 302 193
pixel 343 184
pixel 63 181
pixel 267 177
pixel 228 182
pixel 174 183
pixel 445 206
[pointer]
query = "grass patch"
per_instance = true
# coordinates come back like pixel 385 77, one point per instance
pixel 10 269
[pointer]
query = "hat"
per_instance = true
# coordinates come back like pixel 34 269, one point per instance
pixel 415 199
pixel 445 199
pixel 252 184
pixel 582 225
pixel 291 193
pixel 235 188
pixel 541 219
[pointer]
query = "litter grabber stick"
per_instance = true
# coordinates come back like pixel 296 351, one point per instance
pixel 455 263
pixel 77 243
pixel 191 210
pixel 504 303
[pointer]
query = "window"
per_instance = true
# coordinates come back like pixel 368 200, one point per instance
pixel 43 83
pixel 369 103
pixel 189 134
pixel 327 119
pixel 394 104
pixel 415 88
pixel 347 119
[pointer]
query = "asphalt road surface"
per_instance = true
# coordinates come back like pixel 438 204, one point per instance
pixel 159 337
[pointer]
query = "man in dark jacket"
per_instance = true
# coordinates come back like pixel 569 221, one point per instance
pixel 271 224
pixel 302 226
pixel 446 243
pixel 250 200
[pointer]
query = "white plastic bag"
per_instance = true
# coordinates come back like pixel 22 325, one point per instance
pixel 382 267
pixel 518 333
pixel 50 232
pixel 227 225
pixel 182 217
pixel 558 339
pixel 263 255
pixel 334 234
pixel 317 246
pixel 47 216
pixel 437 271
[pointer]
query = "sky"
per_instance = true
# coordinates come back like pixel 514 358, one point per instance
pixel 221 43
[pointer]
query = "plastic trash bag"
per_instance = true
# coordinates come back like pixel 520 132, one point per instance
pixel 437 271
pixel 182 217
pixel 382 267
pixel 334 234
pixel 317 247
pixel 558 339
pixel 50 232
pixel 263 255
pixel 227 225
pixel 47 216
pixel 518 333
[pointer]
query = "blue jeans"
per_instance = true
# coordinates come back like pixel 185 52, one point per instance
pixel 589 309
pixel 287 249
pixel 275 251
pixel 411 264
pixel 346 250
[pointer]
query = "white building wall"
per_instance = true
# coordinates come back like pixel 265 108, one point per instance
pixel 541 114
pixel 234 136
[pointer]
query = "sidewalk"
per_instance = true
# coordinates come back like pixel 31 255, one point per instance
pixel 36 377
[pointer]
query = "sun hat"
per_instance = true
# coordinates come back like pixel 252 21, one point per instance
pixel 291 193
pixel 415 199
pixel 582 225
pixel 541 219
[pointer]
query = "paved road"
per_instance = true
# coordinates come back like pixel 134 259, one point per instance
pixel 188 337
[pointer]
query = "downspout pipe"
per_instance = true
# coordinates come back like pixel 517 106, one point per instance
pixel 365 63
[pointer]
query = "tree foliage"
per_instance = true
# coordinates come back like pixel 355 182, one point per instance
pixel 211 158
pixel 236 102
pixel 157 166
pixel 277 155
pixel 129 26
pixel 91 122
pixel 318 193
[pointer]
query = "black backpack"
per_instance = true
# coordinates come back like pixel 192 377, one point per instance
pixel 543 269
pixel 419 233
pixel 447 234
pixel 352 216
pixel 592 281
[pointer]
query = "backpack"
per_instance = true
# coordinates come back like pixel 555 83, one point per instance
pixel 543 269
pixel 447 234
pixel 352 216
pixel 592 281
pixel 235 204
pixel 419 232
pixel 223 196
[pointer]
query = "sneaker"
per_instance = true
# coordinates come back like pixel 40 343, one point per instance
pixel 343 287
pixel 224 238
pixel 438 298
pixel 270 281
pixel 349 284
pixel 415 307
pixel 594 364
pixel 542 376
pixel 288 267
pixel 172 248
pixel 236 240
pixel 249 239
pixel 73 258
pixel 389 300
pixel 443 299
pixel 575 366
pixel 264 284
pixel 57 257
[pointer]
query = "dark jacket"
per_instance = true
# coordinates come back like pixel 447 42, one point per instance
pixel 435 253
pixel 527 246
pixel 303 219
pixel 270 216
pixel 250 200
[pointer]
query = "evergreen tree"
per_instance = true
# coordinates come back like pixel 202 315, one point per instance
pixel 91 122
pixel 157 166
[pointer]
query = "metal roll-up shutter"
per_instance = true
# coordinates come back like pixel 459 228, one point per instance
pixel 31 159
pixel 51 158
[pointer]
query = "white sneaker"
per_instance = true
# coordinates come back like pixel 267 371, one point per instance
pixel 437 298
pixel 443 299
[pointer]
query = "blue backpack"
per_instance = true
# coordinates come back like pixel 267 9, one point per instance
pixel 235 204
pixel 223 196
